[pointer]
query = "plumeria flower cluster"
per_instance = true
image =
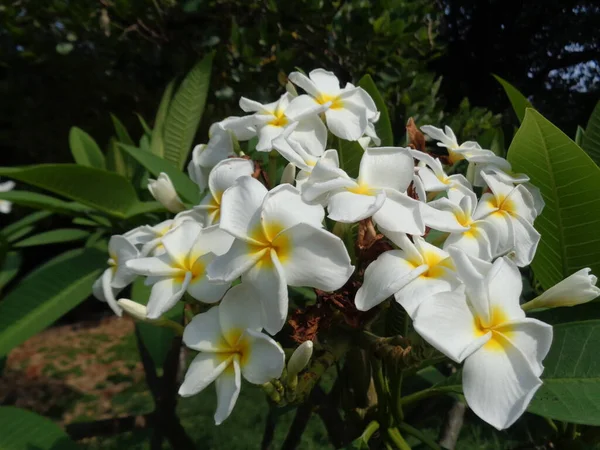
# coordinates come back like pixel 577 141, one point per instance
pixel 452 258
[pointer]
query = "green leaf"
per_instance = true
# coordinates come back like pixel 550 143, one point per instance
pixel 185 112
pixel 570 185
pixel 144 124
pixel 10 268
pixel 518 101
pixel 145 208
pixel 571 376
pixel 350 153
pixel 580 136
pixel 591 140
pixel 157 141
pixel 383 125
pixel 105 191
pixel 41 201
pixel 122 133
pixel 24 430
pixel 46 294
pixel 53 237
pixel 157 340
pixel 85 150
pixel 31 219
pixel 185 187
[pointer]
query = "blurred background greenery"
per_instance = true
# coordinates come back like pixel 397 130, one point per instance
pixel 67 63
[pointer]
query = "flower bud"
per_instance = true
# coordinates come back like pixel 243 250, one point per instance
pixel 163 191
pixel 299 358
pixel 289 174
pixel 134 309
pixel 578 288
pixel 291 89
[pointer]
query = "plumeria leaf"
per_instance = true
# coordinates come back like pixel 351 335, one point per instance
pixel 572 375
pixel 185 112
pixel 184 186
pixel 41 201
pixel 16 426
pixel 46 294
pixel 10 267
pixel 591 137
pixel 570 183
pixel 157 145
pixel 518 101
pixel 26 221
pixel 105 191
pixel 383 125
pixel 54 237
pixel 350 153
pixel 121 131
pixel 580 136
pixel 85 150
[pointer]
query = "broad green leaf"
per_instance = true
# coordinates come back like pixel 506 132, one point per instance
pixel 383 125
pixel 46 294
pixel 591 140
pixel 570 185
pixel 105 191
pixel 41 201
pixel 518 101
pixel 122 133
pixel 580 136
pixel 571 376
pixel 157 340
pixel 144 124
pixel 185 187
pixel 53 237
pixel 28 220
pixel 350 153
pixel 157 140
pixel 85 150
pixel 185 112
pixel 24 430
pixel 23 231
pixel 145 208
pixel 10 268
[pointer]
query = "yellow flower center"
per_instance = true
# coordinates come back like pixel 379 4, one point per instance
pixel 279 119
pixel 241 347
pixel 502 204
pixel 189 263
pixel 336 101
pixel 362 189
pixel 495 325
pixel 455 156
pixel 268 234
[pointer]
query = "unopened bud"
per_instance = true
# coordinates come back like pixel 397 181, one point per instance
pixel 291 89
pixel 134 309
pixel 289 174
pixel 163 191
pixel 299 359
pixel 578 288
pixel 271 392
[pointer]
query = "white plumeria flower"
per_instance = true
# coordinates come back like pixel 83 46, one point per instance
pixel 221 178
pixel 379 191
pixel 411 274
pixel 347 111
pixel 454 215
pixel 149 238
pixel 482 324
pixel 509 177
pixel 164 192
pixel 432 175
pixel 511 210
pixel 118 275
pixel 5 205
pixel 231 345
pixel 271 120
pixel 279 241
pixel 219 147
pixel 469 150
pixel 182 268
pixel 576 289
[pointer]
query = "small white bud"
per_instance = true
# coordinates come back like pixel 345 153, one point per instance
pixel 578 288
pixel 163 191
pixel 291 89
pixel 300 358
pixel 289 174
pixel 134 309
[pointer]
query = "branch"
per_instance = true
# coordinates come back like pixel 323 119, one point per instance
pixel 298 426
pixel 454 422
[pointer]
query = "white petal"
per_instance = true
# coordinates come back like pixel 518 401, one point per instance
pixel 239 310
pixel 283 208
pixel 504 289
pixel 165 294
pixel 202 289
pixel 439 135
pixel 228 386
pixel 400 213
pixel 121 249
pixel 446 322
pixel 238 260
pixel 316 258
pixel 268 279
pixel 109 292
pixel 325 81
pixel 443 215
pixel 265 137
pixel 311 133
pixel 303 106
pixel 203 370
pixel 499 383
pixel 527 239
pixel 248 105
pixel 301 80
pixel 385 276
pixel 158 266
pixel 212 239
pixel 348 207
pixel 474 242
pixel 203 333
pixel 179 241
pixel 348 122
pixel 224 174
pixel 414 293
pixel 386 167
pixel 264 359
pixel 240 207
